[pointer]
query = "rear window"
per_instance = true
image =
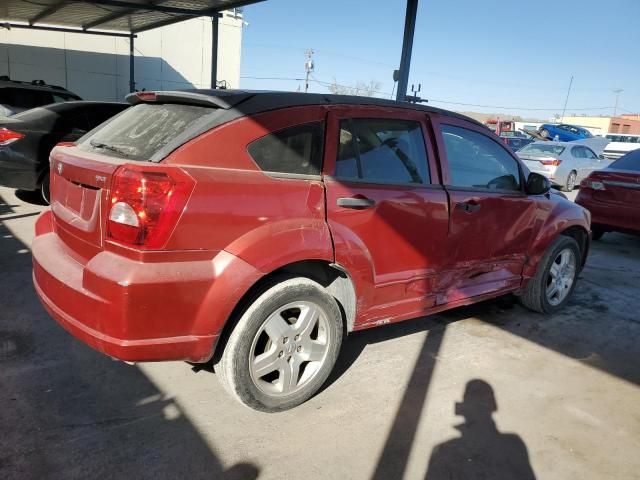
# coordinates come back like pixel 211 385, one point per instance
pixel 630 161
pixel 295 150
pixel 540 150
pixel 144 130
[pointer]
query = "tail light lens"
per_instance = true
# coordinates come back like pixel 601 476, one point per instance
pixel 145 204
pixel 554 162
pixel 7 136
pixel 592 184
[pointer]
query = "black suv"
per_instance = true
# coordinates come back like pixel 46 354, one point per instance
pixel 16 96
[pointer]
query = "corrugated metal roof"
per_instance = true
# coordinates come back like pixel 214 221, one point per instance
pixel 124 16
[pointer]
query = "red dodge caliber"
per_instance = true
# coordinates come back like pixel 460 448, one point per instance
pixel 254 230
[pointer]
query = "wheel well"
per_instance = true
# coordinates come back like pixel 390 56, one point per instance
pixel 581 236
pixel 331 276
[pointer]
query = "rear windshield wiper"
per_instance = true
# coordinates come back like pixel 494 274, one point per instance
pixel 106 146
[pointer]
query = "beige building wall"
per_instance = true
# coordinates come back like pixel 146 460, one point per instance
pixel 604 125
pixel 97 67
pixel 596 125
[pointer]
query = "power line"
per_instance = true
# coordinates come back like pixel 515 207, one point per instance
pixel 448 102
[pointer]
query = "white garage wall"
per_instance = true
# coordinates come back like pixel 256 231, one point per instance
pixel 97 67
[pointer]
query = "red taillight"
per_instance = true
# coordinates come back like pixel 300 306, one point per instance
pixel 7 136
pixel 145 204
pixel 554 163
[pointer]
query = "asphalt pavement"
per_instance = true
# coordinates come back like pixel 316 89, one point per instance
pixel 491 388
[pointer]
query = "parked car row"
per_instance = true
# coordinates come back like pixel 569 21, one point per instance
pixel 253 230
pixel 16 96
pixel 612 195
pixel 565 164
pixel 27 138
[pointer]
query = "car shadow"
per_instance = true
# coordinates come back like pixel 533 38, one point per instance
pixel 70 412
pixel 32 197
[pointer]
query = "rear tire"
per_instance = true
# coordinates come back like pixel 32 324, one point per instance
pixel 44 188
pixel 552 285
pixel 570 184
pixel 283 347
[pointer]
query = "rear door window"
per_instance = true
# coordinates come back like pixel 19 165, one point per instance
pixel 382 151
pixel 294 150
pixel 143 131
pixel 476 161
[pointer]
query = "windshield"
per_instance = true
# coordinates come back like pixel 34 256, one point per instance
pixel 142 131
pixel 542 150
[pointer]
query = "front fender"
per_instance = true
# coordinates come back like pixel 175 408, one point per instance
pixel 563 215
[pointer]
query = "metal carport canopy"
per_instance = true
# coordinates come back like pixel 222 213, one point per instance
pixel 128 17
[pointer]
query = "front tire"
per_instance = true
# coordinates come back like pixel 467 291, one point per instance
pixel 544 133
pixel 551 287
pixel 284 346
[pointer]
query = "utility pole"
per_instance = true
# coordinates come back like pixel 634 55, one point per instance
pixel 617 91
pixel 566 100
pixel 308 66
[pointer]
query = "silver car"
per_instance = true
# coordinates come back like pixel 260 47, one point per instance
pixel 564 163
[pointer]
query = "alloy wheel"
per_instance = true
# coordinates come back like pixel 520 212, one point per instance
pixel 561 276
pixel 290 348
pixel 571 181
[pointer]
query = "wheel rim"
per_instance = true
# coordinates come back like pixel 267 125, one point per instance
pixel 561 276
pixel 289 349
pixel 571 181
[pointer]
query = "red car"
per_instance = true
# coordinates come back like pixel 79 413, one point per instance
pixel 255 230
pixel 612 195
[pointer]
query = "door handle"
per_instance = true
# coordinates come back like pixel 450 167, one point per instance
pixel 346 202
pixel 468 207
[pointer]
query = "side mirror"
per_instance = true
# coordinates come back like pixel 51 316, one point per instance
pixel 537 184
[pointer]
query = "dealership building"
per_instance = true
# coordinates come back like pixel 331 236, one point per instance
pixel 96 67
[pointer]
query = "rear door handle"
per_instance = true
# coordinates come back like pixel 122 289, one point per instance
pixel 355 202
pixel 468 207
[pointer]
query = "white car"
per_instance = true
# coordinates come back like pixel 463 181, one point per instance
pixel 564 163
pixel 621 143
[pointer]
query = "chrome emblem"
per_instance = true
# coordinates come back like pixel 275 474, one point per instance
pixel 60 166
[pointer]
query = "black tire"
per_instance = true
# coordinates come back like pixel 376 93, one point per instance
pixel 44 188
pixel 544 133
pixel 597 233
pixel 570 184
pixel 534 295
pixel 234 365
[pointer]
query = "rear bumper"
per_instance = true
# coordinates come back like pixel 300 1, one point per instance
pixel 622 218
pixel 137 311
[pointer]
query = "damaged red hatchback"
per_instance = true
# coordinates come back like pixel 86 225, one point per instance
pixel 254 230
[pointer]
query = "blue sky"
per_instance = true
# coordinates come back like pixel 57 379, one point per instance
pixel 491 52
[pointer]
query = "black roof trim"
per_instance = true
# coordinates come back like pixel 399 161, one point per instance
pixel 248 102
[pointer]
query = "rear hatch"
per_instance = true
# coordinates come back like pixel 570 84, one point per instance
pixel 82 174
pixel 79 195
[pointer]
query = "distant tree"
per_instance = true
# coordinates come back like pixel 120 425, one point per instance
pixel 360 88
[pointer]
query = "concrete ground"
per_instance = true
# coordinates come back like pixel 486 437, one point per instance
pixel 566 391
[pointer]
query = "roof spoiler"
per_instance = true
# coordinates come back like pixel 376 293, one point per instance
pixel 188 98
